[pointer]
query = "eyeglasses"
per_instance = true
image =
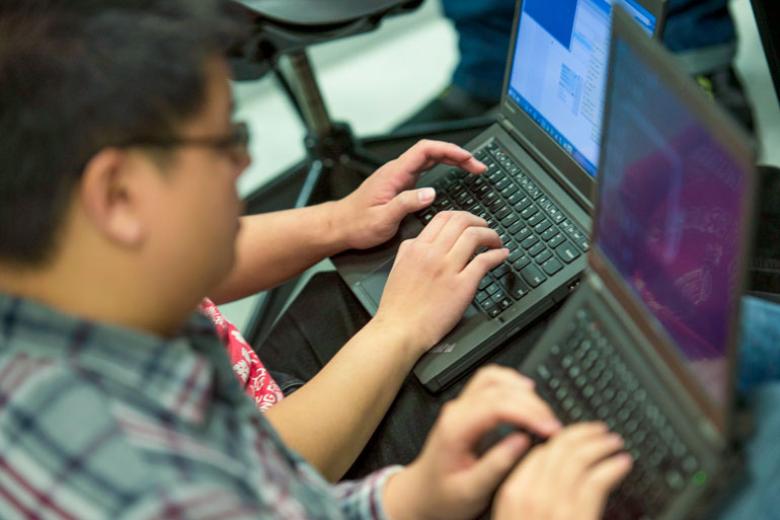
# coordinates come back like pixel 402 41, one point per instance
pixel 236 143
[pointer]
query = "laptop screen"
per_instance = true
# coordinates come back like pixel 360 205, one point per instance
pixel 670 213
pixel 559 69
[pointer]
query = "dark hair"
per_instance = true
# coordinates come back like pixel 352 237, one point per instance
pixel 77 76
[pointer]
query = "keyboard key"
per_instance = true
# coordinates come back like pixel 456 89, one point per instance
pixel 538 248
pixel 510 220
pixel 543 256
pixel 557 240
pixel 492 288
pixel 503 212
pixel 523 203
pixel 523 233
pixel 516 197
pixel 517 226
pixel 567 252
pixel 461 197
pixel 552 266
pixel 427 216
pixel 487 304
pixel 489 197
pixel 568 227
pixel 521 262
pixel 514 286
pixel 500 270
pixel 533 276
pixel 529 212
pixel 543 372
pixel 502 183
pixel 549 234
pixel 514 255
pixel 578 237
pixel 535 193
pixel 557 216
pixel 495 205
pixel 440 202
pixel 510 190
pixel 529 242
pixel 498 296
pixel 480 190
pixel 543 226
pixel 536 219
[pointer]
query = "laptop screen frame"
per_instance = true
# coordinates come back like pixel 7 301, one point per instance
pixel 729 135
pixel 544 149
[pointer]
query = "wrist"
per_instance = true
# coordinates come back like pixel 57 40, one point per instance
pixel 404 496
pixel 339 224
pixel 399 334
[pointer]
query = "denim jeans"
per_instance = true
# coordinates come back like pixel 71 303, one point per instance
pixel 758 497
pixel 760 348
pixel 484 28
pixel 759 379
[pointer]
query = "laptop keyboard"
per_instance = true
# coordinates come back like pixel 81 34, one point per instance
pixel 540 238
pixel 584 379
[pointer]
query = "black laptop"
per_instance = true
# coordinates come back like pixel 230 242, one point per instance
pixel 541 157
pixel 648 343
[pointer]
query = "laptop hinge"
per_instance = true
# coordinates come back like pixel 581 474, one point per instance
pixel 595 281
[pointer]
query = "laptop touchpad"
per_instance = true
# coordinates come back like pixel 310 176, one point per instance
pixel 373 285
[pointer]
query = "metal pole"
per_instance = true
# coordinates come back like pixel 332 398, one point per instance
pixel 315 112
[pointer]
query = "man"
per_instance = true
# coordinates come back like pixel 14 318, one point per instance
pixel 119 214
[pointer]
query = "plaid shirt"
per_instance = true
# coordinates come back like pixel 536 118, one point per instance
pixel 101 422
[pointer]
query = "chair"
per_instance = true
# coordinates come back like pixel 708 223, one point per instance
pixel 336 161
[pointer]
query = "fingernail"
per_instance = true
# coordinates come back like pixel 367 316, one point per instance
pixel 426 195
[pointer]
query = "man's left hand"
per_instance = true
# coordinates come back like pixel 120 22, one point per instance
pixel 371 214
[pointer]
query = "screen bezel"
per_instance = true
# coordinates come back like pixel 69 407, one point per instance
pixel 556 161
pixel 731 137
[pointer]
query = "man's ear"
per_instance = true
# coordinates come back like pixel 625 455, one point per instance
pixel 109 197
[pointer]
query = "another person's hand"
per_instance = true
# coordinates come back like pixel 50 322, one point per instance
pixel 435 276
pixel 568 477
pixel 448 480
pixel 372 213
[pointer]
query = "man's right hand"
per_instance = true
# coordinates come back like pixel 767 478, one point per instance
pixel 449 480
pixel 570 476
pixel 435 277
